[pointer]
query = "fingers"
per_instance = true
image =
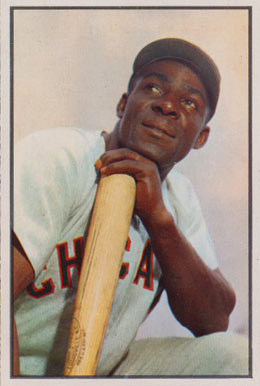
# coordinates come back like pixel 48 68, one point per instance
pixel 119 155
pixel 125 161
pixel 145 173
pixel 136 169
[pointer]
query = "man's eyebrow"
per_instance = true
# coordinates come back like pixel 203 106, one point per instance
pixel 159 75
pixel 194 90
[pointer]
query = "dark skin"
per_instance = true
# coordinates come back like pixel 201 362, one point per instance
pixel 160 120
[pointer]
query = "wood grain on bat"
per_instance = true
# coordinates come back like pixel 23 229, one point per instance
pixel 106 240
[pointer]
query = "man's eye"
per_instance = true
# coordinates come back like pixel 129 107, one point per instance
pixel 190 104
pixel 152 87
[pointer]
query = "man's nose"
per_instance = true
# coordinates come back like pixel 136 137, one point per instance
pixel 166 107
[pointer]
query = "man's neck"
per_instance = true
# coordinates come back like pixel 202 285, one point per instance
pixel 111 139
pixel 112 143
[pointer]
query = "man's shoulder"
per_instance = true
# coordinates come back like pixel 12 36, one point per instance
pixel 61 136
pixel 181 192
pixel 54 142
pixel 178 181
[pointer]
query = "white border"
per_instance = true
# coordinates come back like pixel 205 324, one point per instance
pixel 5 210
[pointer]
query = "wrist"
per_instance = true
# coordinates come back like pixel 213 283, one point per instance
pixel 158 218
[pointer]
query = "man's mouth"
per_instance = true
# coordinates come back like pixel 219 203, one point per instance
pixel 158 130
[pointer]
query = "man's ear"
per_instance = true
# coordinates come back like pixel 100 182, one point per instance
pixel 202 138
pixel 121 105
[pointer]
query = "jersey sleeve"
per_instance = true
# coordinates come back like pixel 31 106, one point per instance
pixel 189 217
pixel 44 193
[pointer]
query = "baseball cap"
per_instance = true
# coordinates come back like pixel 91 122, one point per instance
pixel 188 53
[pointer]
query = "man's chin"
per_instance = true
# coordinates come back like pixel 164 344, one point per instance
pixel 152 151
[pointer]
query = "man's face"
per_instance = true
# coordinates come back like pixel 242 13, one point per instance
pixel 164 115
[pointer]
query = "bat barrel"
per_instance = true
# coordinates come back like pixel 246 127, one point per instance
pixel 106 241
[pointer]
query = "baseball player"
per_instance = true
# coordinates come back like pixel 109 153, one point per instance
pixel 171 97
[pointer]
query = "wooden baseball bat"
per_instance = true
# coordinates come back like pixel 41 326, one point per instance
pixel 105 246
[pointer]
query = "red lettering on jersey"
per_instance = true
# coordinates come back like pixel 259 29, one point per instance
pixel 124 270
pixel 66 262
pixel 128 245
pixel 125 266
pixel 47 288
pixel 146 267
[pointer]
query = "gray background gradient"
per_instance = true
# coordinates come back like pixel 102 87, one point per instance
pixel 70 69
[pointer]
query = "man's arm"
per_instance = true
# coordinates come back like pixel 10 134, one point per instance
pixel 23 275
pixel 199 297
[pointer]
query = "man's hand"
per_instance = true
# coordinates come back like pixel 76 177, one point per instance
pixel 200 298
pixel 149 201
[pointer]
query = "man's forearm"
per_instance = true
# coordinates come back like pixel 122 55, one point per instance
pixel 200 298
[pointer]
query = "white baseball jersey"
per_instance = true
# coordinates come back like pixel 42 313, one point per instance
pixel 55 183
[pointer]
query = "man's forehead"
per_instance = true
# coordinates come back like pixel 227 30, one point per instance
pixel 160 75
pixel 166 70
